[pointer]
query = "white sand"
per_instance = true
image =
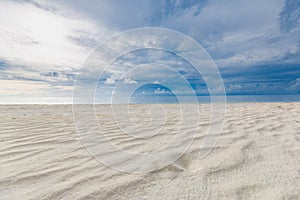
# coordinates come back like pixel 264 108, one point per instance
pixel 257 157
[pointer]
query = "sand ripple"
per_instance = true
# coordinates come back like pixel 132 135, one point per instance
pixel 256 157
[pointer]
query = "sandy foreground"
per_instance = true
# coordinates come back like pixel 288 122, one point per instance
pixel 257 155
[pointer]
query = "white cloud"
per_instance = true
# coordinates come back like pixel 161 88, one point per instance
pixel 47 41
pixel 111 80
pixel 234 33
pixel 160 91
pixel 9 87
pixel 238 32
pixel 32 36
pixel 129 81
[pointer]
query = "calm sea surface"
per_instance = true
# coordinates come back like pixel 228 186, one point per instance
pixel 229 99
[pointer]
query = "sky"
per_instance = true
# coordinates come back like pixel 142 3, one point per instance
pixel 43 45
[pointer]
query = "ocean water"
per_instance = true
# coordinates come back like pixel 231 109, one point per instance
pixel 263 98
pixel 229 99
pixel 164 99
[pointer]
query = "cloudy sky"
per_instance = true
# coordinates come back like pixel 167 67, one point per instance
pixel 43 44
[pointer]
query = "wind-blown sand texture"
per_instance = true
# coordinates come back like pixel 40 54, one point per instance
pixel 257 157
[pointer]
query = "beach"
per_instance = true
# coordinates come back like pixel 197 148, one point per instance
pixel 257 156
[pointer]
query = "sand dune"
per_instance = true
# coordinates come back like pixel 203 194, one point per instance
pixel 256 157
